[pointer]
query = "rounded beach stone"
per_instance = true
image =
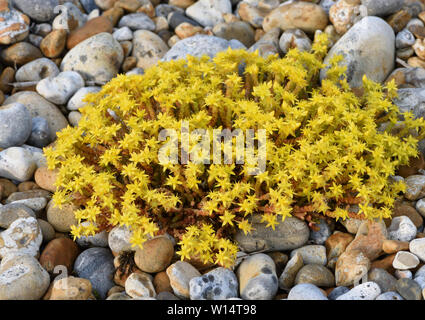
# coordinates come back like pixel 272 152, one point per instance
pixel 417 246
pixel 287 278
pixel 59 252
pixel 61 218
pixel 218 284
pixel 315 274
pixel 405 260
pixel 22 278
pixel 148 48
pixel 312 254
pixel 76 102
pixel 365 291
pixel 15 125
pixel 180 274
pixel 119 239
pixel 17 163
pixel 139 285
pixel 40 133
pixel 257 277
pixel 402 229
pixel 155 255
pixel 36 70
pixel 306 291
pixel 71 288
pixel 409 289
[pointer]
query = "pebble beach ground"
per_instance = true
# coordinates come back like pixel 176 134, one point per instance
pixel 54 52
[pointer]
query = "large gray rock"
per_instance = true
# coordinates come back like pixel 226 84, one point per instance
pixel 200 45
pixel 290 234
pixel 39 10
pixel 368 49
pixel 17 163
pixel 96 265
pixel 97 58
pixel 15 125
pixel 40 107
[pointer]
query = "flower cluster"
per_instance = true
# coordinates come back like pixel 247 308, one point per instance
pixel 327 148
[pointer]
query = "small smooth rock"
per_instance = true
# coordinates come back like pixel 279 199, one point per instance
pixel 40 133
pixel 287 278
pixel 71 288
pixel 137 21
pixel 405 260
pixel 414 184
pixel 100 239
pixel 294 38
pixel 22 278
pixel 365 291
pixel 391 295
pixel 351 266
pixel 15 125
pixel 54 43
pixel 257 278
pixel 76 102
pixel 91 28
pixel 119 239
pixel 402 229
pixel 46 178
pixel 409 289
pixel 312 254
pixel 61 218
pixel 209 13
pixel 96 265
pixel 38 10
pixel 47 230
pixel 335 246
pixel 148 48
pixel 123 34
pixel 13 211
pixel 218 284
pixel 180 274
pixel 22 237
pixel 316 274
pixel 383 278
pixel 306 291
pixel 15 25
pixel 59 252
pixel 17 163
pixel 20 53
pixel 404 39
pixel 155 255
pixel 338 291
pixel 97 58
pixel 139 285
pixel 417 247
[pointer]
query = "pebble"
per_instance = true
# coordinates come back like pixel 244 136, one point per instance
pixel 306 16
pixel 351 224
pixel 161 282
pixel 139 285
pixel 360 57
pixel 383 278
pixel 180 273
pixel 365 291
pixel 405 260
pixel 36 204
pixel 420 272
pixel 306 291
pixel 38 193
pixel 61 219
pixel 119 296
pixel 96 265
pixel 420 205
pixel 15 125
pixel 61 88
pixel 70 17
pixel 399 20
pixel 344 14
pixel 100 239
pixel 351 266
pixel 38 106
pixel 59 252
pixel 239 30
pixel 155 256
pixel 89 5
pixel 22 278
pixel 409 289
pixel 91 28
pixel 402 229
pixel 11 212
pixel 404 39
pixel 37 70
pixel 199 45
pixel 74 117
pixel 209 13
pixel 316 274
pixel 257 278
pixel 287 278
pixel 382 7
pixel 123 34
pixel 71 288
pixel 312 254
pixel 45 178
pixel 417 247
pixel 137 21
pixel 406 209
pixel 97 58
pixel 268 43
pixel 20 53
pixel 335 246
pixel 338 291
pixel 38 10
pixel 47 230
pixel 54 43
pixel 166 296
pixel 290 234
pixel 15 25
pixel 391 295
pixel 218 284
pixel 394 246
pixel 119 239
pixel 176 18
pixel 163 10
pixel 148 48
pixel 17 163
pixel 23 236
pixel 294 38
pixel 414 184
pixel 369 239
pixel 76 102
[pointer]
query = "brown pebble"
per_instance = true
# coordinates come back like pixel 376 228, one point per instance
pixel 8 187
pixel 27 185
pixel 394 246
pixel 418 31
pixel 385 263
pixel 61 251
pixel 20 53
pixel 53 44
pixel 6 77
pixel 91 28
pixel 114 15
pixel 129 63
pixel 399 20
pixel 147 9
pixel 415 163
pixel 45 178
pixel 128 5
pixel 161 282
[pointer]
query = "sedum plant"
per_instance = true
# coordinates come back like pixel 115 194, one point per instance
pixel 327 149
